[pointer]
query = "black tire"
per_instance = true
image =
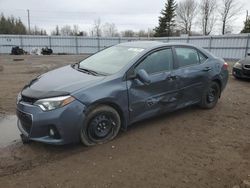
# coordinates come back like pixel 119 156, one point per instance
pixel 102 124
pixel 25 140
pixel 210 96
pixel 236 77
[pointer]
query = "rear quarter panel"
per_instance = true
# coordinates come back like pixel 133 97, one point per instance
pixel 220 72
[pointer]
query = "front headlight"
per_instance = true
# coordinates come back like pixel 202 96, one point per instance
pixel 54 103
pixel 19 97
pixel 238 65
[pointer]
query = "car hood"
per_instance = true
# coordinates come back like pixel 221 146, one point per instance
pixel 59 82
pixel 245 61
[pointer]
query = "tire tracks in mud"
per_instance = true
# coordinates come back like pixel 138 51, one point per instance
pixel 18 158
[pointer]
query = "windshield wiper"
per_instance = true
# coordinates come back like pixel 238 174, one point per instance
pixel 91 71
pixel 88 71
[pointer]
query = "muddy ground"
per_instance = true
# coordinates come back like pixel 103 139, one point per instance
pixel 189 148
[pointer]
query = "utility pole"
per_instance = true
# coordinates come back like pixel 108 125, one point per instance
pixel 247 16
pixel 28 11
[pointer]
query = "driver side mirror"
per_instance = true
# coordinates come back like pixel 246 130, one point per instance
pixel 248 53
pixel 143 76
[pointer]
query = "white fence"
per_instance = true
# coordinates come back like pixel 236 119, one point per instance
pixel 228 46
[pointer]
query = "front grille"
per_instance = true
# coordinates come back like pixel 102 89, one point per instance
pixel 246 72
pixel 25 120
pixel 28 99
pixel 247 66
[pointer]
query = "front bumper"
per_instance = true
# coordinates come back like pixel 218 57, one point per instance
pixel 35 124
pixel 241 73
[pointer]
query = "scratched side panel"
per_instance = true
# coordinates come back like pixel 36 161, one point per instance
pixel 146 101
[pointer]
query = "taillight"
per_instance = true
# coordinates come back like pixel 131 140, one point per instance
pixel 225 65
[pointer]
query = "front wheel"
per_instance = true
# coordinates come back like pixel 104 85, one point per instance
pixel 102 124
pixel 236 77
pixel 211 96
pixel 25 140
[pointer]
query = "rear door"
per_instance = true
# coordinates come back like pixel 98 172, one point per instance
pixel 193 73
pixel 146 100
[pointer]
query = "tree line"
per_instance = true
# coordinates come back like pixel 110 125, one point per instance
pixel 186 17
pixel 11 25
pixel 180 18
pixel 100 30
pixel 14 26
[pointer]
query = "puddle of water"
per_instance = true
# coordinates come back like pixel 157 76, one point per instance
pixel 9 132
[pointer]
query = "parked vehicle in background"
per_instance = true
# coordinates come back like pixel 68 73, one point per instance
pixel 241 69
pixel 46 51
pixel 43 51
pixel 17 51
pixel 92 100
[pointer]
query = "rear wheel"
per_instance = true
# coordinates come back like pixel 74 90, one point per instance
pixel 211 96
pixel 102 124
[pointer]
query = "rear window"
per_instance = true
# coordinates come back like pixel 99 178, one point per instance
pixel 187 57
pixel 203 58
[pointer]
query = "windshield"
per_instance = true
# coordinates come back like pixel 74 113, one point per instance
pixel 110 60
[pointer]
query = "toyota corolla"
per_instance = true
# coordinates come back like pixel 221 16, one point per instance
pixel 91 101
pixel 241 69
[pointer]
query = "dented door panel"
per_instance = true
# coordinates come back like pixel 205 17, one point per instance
pixel 161 95
pixel 192 83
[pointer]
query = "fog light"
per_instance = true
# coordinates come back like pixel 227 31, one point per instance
pixel 51 132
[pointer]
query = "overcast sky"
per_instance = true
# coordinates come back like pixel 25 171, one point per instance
pixel 126 14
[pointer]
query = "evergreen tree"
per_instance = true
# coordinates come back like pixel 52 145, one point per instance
pixel 3 24
pixel 246 28
pixel 167 20
pixel 57 30
pixel 11 25
pixel 20 28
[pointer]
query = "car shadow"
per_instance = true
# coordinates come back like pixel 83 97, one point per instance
pixel 242 79
pixel 19 157
pixel 164 116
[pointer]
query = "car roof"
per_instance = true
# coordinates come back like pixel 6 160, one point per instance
pixel 149 45
pixel 141 44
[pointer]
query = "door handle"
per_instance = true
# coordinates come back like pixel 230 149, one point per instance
pixel 206 69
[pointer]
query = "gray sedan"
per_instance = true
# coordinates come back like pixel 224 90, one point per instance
pixel 91 101
pixel 241 69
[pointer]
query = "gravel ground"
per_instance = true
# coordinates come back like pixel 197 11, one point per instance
pixel 187 148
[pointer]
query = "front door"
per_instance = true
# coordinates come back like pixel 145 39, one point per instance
pixel 161 94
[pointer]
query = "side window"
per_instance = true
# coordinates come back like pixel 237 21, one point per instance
pixel 187 56
pixel 159 61
pixel 203 58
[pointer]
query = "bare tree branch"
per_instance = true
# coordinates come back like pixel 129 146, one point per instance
pixel 208 19
pixel 109 30
pixel 96 30
pixel 66 30
pixel 228 10
pixel 186 12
